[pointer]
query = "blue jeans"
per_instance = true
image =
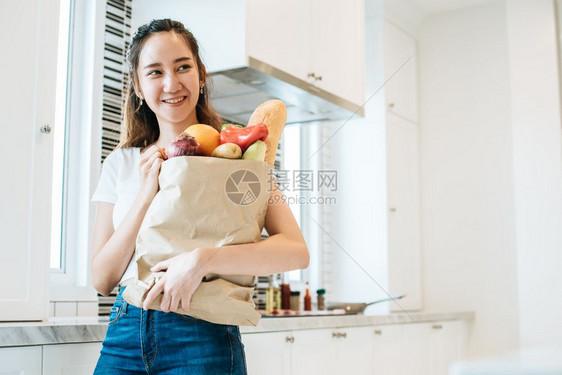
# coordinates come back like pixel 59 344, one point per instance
pixel 155 342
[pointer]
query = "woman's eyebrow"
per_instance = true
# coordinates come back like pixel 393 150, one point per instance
pixel 185 58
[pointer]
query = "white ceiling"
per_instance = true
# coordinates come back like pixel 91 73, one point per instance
pixel 436 6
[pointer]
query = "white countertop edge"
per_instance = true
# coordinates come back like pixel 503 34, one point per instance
pixel 92 329
pixel 342 321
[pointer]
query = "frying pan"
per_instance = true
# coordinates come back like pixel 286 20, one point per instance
pixel 357 308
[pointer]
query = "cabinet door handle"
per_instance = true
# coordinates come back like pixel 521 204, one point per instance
pixel 318 78
pixel 390 105
pixel 290 339
pixel 437 326
pixel 45 129
pixel 344 334
pixel 311 75
pixel 336 334
pixel 378 332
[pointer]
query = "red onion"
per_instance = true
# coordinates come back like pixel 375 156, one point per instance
pixel 183 145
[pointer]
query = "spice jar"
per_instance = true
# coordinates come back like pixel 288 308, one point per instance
pixel 285 296
pixel 276 295
pixel 320 295
pixel 269 296
pixel 295 300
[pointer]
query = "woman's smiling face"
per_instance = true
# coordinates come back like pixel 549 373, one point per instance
pixel 168 79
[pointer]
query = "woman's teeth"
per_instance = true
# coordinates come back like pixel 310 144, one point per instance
pixel 174 101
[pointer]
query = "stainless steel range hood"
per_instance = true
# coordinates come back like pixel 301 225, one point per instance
pixel 237 92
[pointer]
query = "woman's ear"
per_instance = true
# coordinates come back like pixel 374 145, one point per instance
pixel 203 76
pixel 138 93
pixel 135 84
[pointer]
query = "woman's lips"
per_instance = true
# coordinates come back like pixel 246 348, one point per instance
pixel 173 101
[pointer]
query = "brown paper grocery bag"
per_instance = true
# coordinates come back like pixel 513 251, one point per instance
pixel 204 202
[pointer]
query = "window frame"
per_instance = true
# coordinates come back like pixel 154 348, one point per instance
pixel 72 282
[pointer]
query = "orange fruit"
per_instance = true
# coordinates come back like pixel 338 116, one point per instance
pixel 207 137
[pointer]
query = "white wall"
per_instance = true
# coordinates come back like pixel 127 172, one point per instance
pixel 535 105
pixel 217 25
pixel 360 260
pixel 491 171
pixel 468 229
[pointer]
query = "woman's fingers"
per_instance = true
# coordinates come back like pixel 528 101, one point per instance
pixel 150 160
pixel 166 302
pixel 174 302
pixel 156 163
pixel 148 153
pixel 151 154
pixel 185 303
pixel 149 169
pixel 154 292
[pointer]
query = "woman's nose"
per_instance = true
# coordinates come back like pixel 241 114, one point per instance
pixel 171 83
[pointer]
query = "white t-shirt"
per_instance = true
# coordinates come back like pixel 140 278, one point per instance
pixel 119 184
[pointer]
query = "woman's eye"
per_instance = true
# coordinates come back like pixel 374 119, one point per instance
pixel 184 67
pixel 154 72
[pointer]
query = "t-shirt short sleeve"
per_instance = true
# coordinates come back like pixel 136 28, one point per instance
pixel 107 186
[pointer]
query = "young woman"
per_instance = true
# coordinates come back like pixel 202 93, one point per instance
pixel 167 94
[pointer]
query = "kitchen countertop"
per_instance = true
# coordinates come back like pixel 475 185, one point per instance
pixel 92 329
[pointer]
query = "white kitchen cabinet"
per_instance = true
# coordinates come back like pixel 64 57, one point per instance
pixel 415 347
pixel 26 145
pixel 404 216
pixel 353 350
pixel 75 359
pixel 394 349
pixel 336 47
pixel 431 348
pixel 388 353
pixel 332 351
pixel 318 41
pixel 400 72
pixel 314 351
pixel 25 360
pixel 448 344
pixel 275 34
pixel 268 353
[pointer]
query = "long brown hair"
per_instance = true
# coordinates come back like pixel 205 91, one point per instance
pixel 140 127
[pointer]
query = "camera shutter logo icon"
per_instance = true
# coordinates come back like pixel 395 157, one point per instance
pixel 243 187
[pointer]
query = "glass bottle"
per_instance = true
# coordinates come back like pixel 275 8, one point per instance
pixel 320 296
pixel 295 300
pixel 307 299
pixel 276 292
pixel 269 296
pixel 285 295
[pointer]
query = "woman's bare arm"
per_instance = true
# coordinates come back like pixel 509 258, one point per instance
pixel 284 250
pixel 112 249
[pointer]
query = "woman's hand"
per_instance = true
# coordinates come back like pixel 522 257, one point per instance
pixel 184 273
pixel 149 169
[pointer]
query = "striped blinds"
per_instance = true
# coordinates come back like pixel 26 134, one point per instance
pixel 115 78
pixel 115 71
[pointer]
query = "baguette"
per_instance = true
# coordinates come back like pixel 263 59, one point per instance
pixel 273 114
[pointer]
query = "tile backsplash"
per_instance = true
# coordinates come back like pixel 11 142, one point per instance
pixel 73 308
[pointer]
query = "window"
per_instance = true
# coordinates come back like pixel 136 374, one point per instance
pixel 291 165
pixel 91 33
pixel 300 173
